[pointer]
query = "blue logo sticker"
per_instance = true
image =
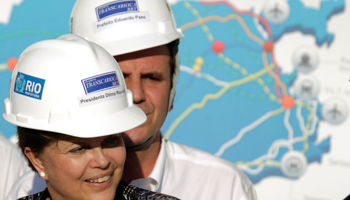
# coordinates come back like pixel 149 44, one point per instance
pixel 116 8
pixel 29 85
pixel 100 82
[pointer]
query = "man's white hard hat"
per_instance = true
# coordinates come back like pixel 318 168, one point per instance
pixel 126 26
pixel 71 86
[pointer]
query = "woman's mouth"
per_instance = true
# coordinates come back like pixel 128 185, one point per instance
pixel 100 180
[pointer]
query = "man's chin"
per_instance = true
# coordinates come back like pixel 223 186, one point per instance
pixel 132 138
pixel 135 138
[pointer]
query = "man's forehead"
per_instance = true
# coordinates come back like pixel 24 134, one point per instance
pixel 145 69
pixel 150 52
pixel 154 60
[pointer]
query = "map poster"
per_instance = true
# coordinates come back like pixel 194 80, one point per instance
pixel 263 84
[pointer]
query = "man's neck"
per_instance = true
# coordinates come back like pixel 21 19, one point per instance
pixel 139 164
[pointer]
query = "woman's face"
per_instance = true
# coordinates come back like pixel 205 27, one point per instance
pixel 83 168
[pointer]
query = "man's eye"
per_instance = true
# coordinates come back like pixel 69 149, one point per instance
pixel 151 77
pixel 125 75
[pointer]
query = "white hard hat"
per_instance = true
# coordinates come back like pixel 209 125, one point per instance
pixel 126 26
pixel 70 86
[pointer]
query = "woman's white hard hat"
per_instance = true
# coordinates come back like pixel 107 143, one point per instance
pixel 126 26
pixel 71 86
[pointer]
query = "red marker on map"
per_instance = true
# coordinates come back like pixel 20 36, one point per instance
pixel 218 46
pixel 11 63
pixel 268 46
pixel 288 102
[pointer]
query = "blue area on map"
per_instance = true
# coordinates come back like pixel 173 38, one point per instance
pixel 316 23
pixel 220 120
pixel 30 22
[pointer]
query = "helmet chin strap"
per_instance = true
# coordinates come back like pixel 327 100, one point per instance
pixel 138 147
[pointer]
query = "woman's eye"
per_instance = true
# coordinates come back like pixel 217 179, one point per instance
pixel 77 150
pixel 111 142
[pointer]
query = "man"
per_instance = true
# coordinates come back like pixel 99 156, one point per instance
pixel 143 38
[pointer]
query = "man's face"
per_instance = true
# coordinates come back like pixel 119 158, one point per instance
pixel 147 75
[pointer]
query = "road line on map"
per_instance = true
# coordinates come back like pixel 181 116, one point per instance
pixel 274 149
pixel 260 166
pixel 204 27
pixel 261 19
pixel 211 96
pixel 225 19
pixel 3 67
pixel 301 119
pixel 245 73
pixel 287 124
pixel 303 129
pixel 273 75
pixel 223 83
pixel 311 117
pixel 202 75
pixel 261 30
pixel 314 124
pixel 225 59
pixel 267 163
pixel 242 132
pixel 253 37
pixel 29 32
pixel 275 64
pixel 249 34
pixel 250 170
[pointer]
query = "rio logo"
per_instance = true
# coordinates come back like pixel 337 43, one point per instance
pixel 29 85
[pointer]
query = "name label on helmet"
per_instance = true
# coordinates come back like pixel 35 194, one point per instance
pixel 101 96
pixel 29 85
pixel 100 82
pixel 116 8
pixel 139 17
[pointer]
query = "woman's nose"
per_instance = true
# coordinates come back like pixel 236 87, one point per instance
pixel 100 159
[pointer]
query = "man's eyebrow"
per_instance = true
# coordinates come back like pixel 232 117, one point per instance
pixel 152 73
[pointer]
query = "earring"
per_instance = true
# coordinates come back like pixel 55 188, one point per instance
pixel 42 174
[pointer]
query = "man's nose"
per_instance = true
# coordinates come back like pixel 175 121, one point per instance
pixel 136 86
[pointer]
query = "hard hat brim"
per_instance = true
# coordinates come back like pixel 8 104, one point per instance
pixel 119 122
pixel 146 42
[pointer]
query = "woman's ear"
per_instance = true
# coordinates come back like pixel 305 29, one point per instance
pixel 36 162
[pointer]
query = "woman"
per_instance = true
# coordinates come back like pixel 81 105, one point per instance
pixel 69 101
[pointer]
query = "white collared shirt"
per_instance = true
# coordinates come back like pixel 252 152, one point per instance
pixel 13 165
pixel 180 171
pixel 190 174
